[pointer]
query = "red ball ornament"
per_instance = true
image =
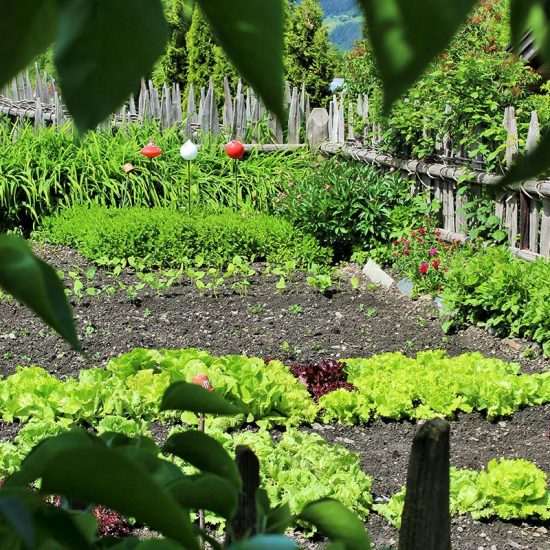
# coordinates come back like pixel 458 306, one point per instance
pixel 235 149
pixel 151 151
pixel 202 380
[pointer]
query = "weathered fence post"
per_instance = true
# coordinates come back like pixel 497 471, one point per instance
pixel 245 519
pixel 317 127
pixel 426 521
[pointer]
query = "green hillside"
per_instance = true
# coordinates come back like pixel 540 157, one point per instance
pixel 344 20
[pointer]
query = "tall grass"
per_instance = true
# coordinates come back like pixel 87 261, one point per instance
pixel 42 171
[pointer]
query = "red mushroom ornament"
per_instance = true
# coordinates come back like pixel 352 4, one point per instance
pixel 202 380
pixel 151 151
pixel 235 149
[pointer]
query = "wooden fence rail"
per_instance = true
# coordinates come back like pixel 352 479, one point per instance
pixel 523 210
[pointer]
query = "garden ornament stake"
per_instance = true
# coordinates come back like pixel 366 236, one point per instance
pixel 151 151
pixel 128 167
pixel 189 152
pixel 204 381
pixel 235 150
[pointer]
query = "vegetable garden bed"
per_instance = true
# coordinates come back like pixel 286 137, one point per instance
pixel 296 324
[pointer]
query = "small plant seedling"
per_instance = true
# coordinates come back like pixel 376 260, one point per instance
pixel 355 283
pixel 372 286
pixel 421 322
pixel 409 344
pixel 281 284
pixel 320 282
pixel 89 330
pixel 255 309
pixel 315 347
pixel 295 309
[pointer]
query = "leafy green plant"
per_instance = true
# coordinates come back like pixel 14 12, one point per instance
pixel 394 386
pixel 350 206
pixel 491 288
pixel 509 489
pixel 167 237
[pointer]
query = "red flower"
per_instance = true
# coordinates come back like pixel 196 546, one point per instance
pixel 424 268
pixel 422 231
pixel 435 264
pixel 437 233
pixel 406 252
pixel 440 240
pixel 395 242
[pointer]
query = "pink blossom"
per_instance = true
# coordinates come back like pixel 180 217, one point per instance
pixel 432 251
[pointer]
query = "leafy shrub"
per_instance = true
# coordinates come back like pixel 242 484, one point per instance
pixel 350 206
pixel 423 257
pixel 491 288
pixel 507 489
pixel 476 76
pixel 394 386
pixel 167 237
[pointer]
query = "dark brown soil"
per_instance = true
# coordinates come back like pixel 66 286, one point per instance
pixel 268 323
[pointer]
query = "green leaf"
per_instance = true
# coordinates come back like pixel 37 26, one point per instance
pixel 45 451
pixel 338 523
pixel 251 33
pixel 104 476
pixel 183 396
pixel 405 40
pixel 15 512
pixel 262 542
pixel 205 453
pixel 531 165
pixel 279 519
pixel 35 284
pixel 103 49
pixel 207 492
pixel 27 28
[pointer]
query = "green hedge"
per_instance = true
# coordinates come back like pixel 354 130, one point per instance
pixel 167 237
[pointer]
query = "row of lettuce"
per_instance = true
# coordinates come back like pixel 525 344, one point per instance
pixel 296 467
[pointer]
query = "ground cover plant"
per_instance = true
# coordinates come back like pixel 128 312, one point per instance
pixel 164 237
pixel 45 170
pixel 508 489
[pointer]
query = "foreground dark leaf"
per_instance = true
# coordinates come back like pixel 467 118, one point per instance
pixel 205 453
pixel 530 165
pixel 104 48
pixel 406 36
pixel 36 285
pixel 182 396
pixel 26 29
pixel 103 476
pixel 207 492
pixel 251 33
pixel 338 523
pixel 531 16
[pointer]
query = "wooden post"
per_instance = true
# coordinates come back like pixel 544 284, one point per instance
pixel 533 136
pixel 426 521
pixel 317 127
pixel 294 118
pixel 244 522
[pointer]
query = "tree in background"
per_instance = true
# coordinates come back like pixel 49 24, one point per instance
pixel 172 67
pixel 206 58
pixel 200 51
pixel 309 57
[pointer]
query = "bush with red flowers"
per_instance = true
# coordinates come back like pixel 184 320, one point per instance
pixel 424 258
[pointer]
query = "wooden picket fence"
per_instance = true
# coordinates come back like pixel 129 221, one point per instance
pixel 344 128
pixel 524 211
pixel 243 114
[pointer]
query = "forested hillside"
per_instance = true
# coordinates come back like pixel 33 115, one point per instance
pixel 343 19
